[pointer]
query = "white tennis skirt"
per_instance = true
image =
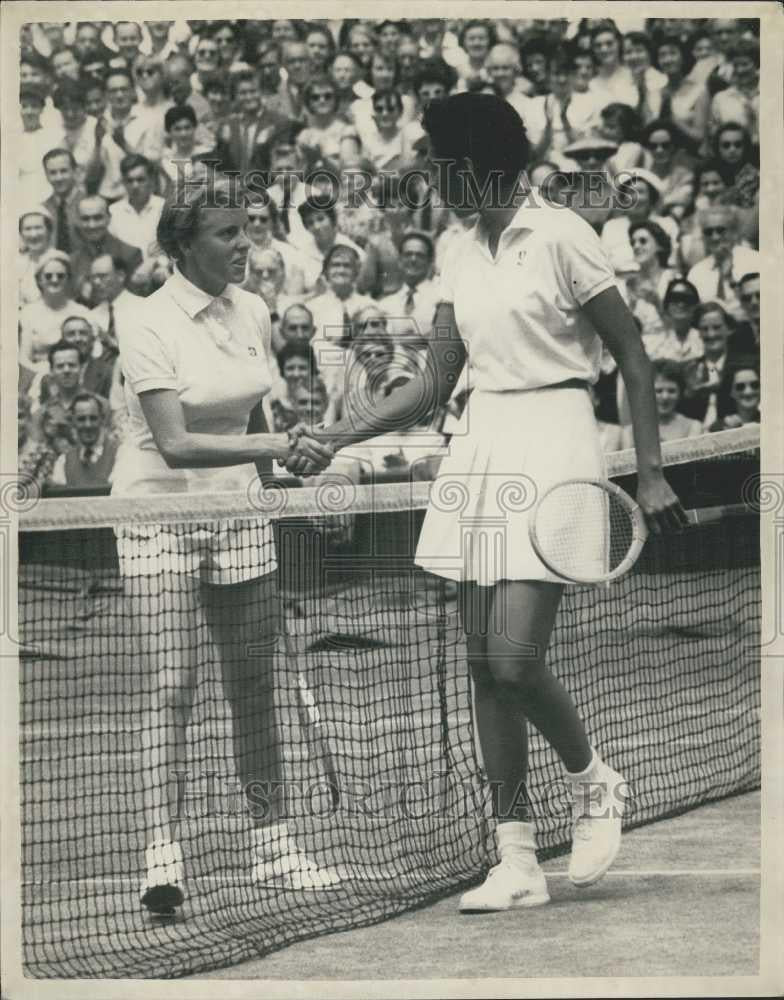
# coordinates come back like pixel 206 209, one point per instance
pixel 515 446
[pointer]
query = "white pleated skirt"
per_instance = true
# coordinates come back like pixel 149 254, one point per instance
pixel 514 446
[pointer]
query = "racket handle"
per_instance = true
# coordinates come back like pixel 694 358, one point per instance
pixel 707 515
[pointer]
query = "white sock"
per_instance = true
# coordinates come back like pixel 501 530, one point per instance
pixel 517 842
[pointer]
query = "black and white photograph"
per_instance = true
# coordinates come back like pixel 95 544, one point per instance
pixel 392 547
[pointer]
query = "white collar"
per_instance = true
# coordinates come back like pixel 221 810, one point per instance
pixel 193 300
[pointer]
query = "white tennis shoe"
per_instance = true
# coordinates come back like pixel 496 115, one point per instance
pixel 508 886
pixel 596 833
pixel 162 887
pixel 292 869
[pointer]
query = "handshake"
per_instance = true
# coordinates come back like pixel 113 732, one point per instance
pixel 307 456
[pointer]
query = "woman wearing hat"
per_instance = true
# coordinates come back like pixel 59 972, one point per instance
pixel 529 291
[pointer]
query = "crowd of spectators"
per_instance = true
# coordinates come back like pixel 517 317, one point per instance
pixel 321 121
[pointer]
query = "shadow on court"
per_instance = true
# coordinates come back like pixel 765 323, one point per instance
pixel 682 899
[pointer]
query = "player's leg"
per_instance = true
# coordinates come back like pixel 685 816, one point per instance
pixel 165 613
pixel 244 619
pixel 502 728
pixel 520 683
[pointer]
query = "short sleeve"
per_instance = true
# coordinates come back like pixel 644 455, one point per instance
pixel 146 362
pixel 584 264
pixel 445 291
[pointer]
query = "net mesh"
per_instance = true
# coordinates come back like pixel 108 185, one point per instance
pixel 349 739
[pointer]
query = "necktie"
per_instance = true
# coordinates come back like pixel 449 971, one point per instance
pixel 111 333
pixel 409 303
pixel 250 135
pixel 721 288
pixel 345 340
pixel 284 212
pixel 63 235
pixel 88 454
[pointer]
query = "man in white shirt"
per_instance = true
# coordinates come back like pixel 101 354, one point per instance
pixel 90 461
pixel 717 276
pixel 134 218
pixel 414 304
pixel 128 130
pixel 117 307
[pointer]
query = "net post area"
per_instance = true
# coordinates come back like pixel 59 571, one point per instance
pixel 307 739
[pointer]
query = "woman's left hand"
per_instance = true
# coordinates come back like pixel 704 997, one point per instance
pixel 660 505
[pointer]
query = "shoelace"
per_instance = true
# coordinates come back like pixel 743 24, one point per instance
pixel 505 866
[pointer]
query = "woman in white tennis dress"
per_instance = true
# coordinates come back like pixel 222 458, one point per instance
pixel 529 296
pixel 196 366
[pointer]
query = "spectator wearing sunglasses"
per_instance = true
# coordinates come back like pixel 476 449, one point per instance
pixel 35 232
pixel 382 139
pixel 207 64
pixel 679 340
pixel 41 321
pixel 745 394
pixel 745 341
pixel 711 189
pixel 738 162
pixel 717 276
pixel 326 127
pixel 667 158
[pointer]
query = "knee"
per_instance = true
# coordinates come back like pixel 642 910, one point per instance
pixel 521 676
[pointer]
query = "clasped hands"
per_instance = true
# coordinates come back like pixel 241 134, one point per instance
pixel 308 455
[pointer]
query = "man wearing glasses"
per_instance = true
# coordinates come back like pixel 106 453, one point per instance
pixel 745 341
pixel 718 275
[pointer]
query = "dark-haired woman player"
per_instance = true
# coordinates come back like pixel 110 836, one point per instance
pixel 530 293
pixel 196 366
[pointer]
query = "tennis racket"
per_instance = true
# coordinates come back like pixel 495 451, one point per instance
pixel 592 531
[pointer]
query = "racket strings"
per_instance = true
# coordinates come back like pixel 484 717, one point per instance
pixel 583 531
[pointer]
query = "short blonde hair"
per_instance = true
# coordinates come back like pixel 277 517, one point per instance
pixel 181 214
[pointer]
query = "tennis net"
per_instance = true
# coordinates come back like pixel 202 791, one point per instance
pixel 361 714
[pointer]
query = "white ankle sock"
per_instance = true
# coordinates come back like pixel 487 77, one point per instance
pixel 517 842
